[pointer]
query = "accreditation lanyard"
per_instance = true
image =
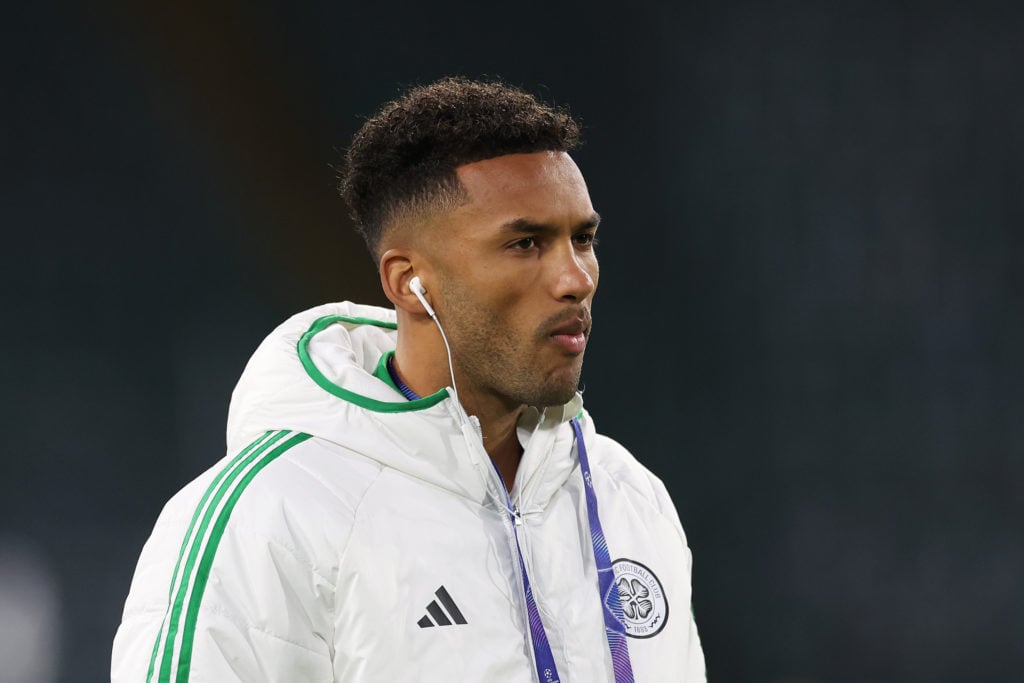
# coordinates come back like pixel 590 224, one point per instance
pixel 615 632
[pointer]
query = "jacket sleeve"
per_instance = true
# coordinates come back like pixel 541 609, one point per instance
pixel 695 665
pixel 230 604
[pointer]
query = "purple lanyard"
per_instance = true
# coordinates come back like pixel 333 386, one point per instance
pixel 547 672
pixel 615 632
pixel 614 620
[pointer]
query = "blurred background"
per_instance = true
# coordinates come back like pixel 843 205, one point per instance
pixel 812 287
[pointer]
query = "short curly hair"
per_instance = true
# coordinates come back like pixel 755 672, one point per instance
pixel 404 158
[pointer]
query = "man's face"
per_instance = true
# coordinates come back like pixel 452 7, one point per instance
pixel 517 277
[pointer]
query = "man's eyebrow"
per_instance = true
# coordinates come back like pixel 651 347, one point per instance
pixel 525 225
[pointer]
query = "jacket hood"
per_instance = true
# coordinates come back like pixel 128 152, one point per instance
pixel 322 372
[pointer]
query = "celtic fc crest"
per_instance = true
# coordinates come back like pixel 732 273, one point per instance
pixel 644 607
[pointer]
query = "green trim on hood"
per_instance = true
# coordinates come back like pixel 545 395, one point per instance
pixel 313 371
pixel 381 371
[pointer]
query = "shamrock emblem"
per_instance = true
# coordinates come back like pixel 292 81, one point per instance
pixel 633 595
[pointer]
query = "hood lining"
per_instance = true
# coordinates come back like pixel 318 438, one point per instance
pixel 321 324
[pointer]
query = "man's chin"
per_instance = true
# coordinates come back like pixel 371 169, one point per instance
pixel 555 395
pixel 549 402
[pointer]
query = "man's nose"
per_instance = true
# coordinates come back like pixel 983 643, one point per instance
pixel 576 275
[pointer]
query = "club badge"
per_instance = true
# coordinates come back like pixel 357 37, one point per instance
pixel 644 607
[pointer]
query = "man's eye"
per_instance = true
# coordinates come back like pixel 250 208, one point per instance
pixel 525 243
pixel 586 239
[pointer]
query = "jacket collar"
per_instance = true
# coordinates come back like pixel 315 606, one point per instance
pixel 320 373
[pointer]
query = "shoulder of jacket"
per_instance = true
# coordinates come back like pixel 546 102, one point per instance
pixel 315 481
pixel 304 498
pixel 625 471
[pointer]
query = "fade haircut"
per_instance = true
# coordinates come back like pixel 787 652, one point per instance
pixel 402 161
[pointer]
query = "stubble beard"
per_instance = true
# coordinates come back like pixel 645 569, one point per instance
pixel 494 358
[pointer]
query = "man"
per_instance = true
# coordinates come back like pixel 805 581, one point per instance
pixel 417 494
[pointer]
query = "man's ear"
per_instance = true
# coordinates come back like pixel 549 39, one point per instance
pixel 397 269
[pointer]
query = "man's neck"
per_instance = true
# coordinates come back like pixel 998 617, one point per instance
pixel 498 419
pixel 498 422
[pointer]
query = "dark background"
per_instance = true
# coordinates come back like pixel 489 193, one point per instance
pixel 809 322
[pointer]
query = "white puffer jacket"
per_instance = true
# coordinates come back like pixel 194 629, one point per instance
pixel 351 535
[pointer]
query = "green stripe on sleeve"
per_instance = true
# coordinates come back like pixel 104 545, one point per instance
pixel 185 542
pixel 236 467
pixel 216 533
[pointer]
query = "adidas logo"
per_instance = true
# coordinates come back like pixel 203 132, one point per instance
pixel 437 611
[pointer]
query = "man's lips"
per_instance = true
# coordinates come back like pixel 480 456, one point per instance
pixel 574 343
pixel 571 334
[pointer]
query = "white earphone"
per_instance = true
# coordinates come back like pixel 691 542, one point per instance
pixel 417 288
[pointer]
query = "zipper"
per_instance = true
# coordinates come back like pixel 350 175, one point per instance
pixel 511 519
pixel 514 518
